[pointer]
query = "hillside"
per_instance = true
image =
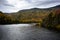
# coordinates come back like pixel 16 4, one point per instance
pixel 52 21
pixel 34 15
pixel 30 15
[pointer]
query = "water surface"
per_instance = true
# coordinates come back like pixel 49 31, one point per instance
pixel 26 32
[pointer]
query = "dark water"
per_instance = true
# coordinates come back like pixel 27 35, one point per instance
pixel 26 32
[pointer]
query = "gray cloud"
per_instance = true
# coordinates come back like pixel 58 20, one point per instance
pixel 46 2
pixel 5 3
pixel 8 5
pixel 15 5
pixel 2 1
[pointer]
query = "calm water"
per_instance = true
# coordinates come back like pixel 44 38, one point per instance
pixel 26 32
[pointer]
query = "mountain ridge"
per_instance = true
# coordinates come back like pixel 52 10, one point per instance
pixel 57 6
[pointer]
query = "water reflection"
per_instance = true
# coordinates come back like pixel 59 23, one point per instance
pixel 26 32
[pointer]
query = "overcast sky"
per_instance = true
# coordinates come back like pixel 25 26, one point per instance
pixel 16 5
